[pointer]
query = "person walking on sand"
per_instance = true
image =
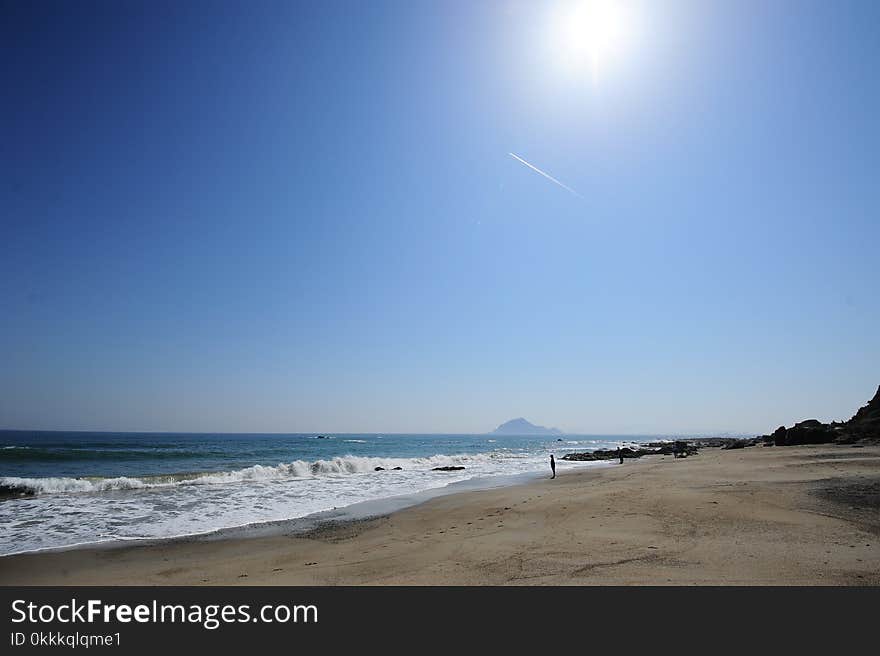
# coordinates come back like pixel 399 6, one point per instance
pixel 552 466
pixel 620 455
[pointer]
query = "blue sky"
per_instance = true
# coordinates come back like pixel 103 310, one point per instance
pixel 280 216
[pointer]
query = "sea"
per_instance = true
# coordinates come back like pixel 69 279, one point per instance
pixel 69 489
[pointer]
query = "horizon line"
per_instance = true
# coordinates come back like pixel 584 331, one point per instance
pixel 724 433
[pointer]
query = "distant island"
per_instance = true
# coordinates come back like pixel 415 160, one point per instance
pixel 520 426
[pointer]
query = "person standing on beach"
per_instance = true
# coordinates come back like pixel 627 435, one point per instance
pixel 620 455
pixel 552 466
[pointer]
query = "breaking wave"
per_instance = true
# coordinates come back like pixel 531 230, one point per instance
pixel 345 465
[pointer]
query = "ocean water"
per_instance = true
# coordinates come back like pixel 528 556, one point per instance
pixel 62 489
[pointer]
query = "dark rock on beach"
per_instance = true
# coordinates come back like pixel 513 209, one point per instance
pixel 806 432
pixel 396 468
pixel 863 427
pixel 378 469
pixel 608 454
pixel 448 468
pixel 700 442
pixel 679 447
pixel 870 412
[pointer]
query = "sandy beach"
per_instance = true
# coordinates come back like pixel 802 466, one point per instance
pixel 762 515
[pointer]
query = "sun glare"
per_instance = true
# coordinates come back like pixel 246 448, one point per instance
pixel 588 34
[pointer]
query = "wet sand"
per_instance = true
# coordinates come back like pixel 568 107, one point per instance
pixel 761 515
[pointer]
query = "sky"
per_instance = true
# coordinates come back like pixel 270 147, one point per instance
pixel 294 217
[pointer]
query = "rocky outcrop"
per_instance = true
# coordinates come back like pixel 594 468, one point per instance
pixel 655 448
pixel 448 468
pixel 805 432
pixel 864 426
pixel 608 454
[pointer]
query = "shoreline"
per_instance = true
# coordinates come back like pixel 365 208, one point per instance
pixel 103 498
pixel 781 515
pixel 355 512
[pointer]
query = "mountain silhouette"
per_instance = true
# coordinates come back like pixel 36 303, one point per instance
pixel 520 426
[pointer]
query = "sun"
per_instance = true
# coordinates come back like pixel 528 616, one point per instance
pixel 590 33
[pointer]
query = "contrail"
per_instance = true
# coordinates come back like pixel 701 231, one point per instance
pixel 546 175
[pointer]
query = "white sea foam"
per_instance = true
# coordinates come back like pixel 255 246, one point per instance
pixel 297 469
pixel 71 511
pixel 61 485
